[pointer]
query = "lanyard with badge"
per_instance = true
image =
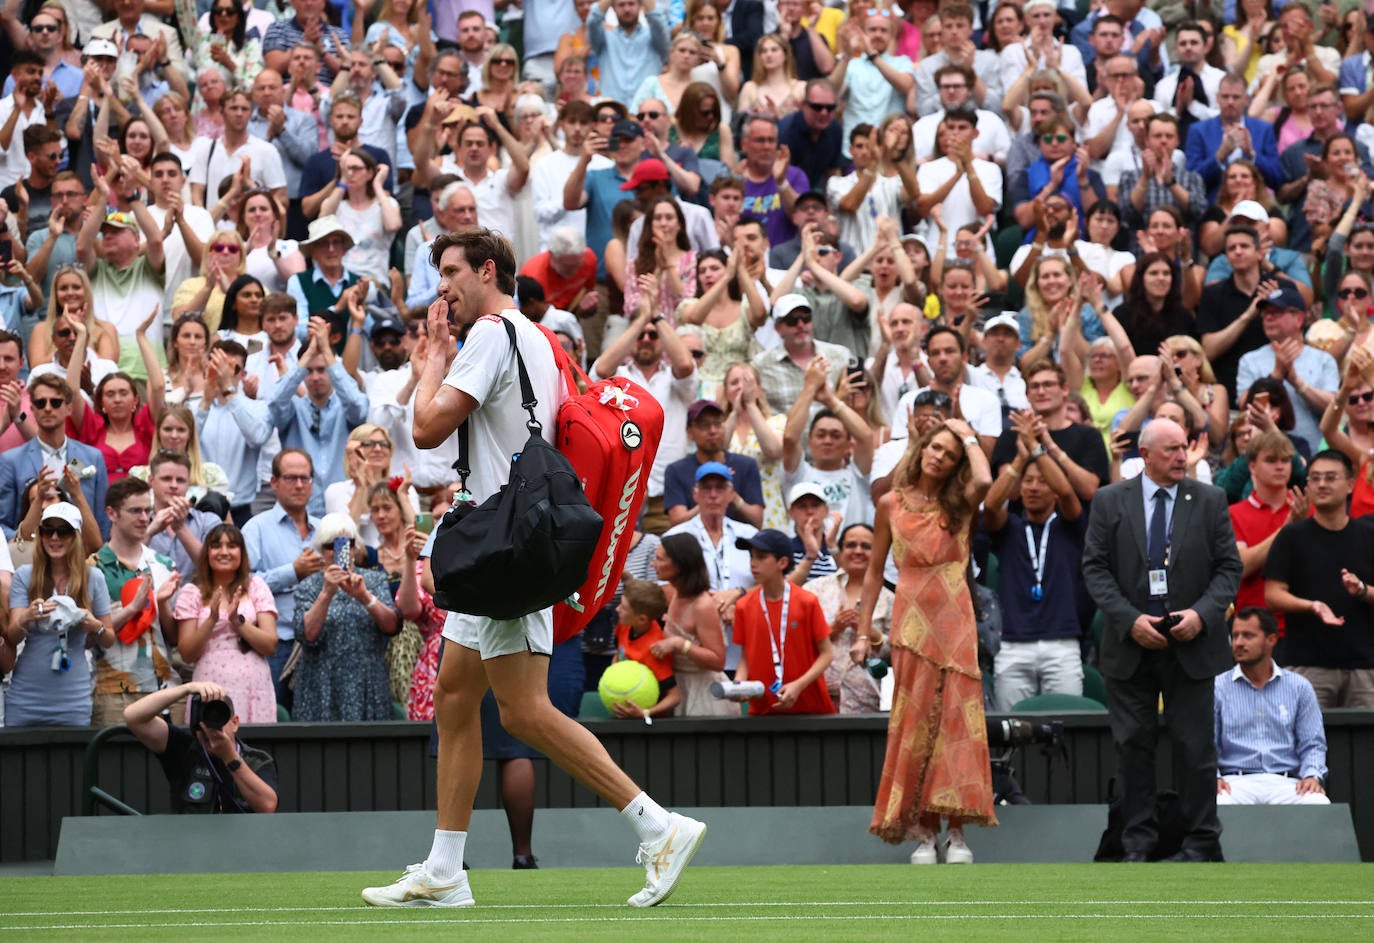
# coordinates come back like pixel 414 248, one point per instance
pixel 1159 579
pixel 1038 559
pixel 779 644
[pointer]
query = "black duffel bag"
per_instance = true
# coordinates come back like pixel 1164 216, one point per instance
pixel 526 547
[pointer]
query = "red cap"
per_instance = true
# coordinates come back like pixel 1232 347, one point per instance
pixel 648 170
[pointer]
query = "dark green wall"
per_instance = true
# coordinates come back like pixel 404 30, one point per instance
pixel 747 762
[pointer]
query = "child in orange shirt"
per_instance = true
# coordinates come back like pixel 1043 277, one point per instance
pixel 642 605
pixel 783 632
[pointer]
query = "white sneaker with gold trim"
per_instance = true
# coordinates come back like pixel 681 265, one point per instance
pixel 416 888
pixel 666 858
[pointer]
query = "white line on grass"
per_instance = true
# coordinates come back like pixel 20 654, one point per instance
pixel 1174 902
pixel 672 913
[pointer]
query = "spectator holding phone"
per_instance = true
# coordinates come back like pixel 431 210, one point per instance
pixel 343 617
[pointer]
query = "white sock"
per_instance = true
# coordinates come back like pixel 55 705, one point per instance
pixel 649 818
pixel 445 861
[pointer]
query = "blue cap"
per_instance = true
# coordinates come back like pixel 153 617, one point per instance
pixel 706 469
pixel 768 541
pixel 1285 297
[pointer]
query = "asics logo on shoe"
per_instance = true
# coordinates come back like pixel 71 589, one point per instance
pixel 661 857
pixel 423 891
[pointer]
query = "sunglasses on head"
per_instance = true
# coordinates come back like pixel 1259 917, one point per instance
pixel 1366 397
pixel 55 530
pixel 932 398
pixel 55 402
pixel 1059 138
pixel 1353 293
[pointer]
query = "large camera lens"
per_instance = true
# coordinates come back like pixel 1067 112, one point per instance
pixel 215 714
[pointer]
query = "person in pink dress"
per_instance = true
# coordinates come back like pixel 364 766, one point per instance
pixel 227 622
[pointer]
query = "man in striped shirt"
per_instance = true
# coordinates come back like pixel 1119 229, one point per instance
pixel 1271 749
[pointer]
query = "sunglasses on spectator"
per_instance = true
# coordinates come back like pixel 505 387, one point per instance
pixel 225 248
pixel 53 403
pixel 1357 398
pixel 649 115
pixel 223 11
pixel 820 106
pixel 51 530
pixel 374 444
pixel 823 251
pixel 648 335
pixel 504 60
pixel 698 355
pixel 1360 293
pixel 801 317
pixel 1054 138
pixel 44 28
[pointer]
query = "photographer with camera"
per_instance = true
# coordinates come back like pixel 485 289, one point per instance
pixel 207 766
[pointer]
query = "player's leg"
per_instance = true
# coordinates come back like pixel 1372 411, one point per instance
pixel 439 881
pixel 667 840
pixel 517 798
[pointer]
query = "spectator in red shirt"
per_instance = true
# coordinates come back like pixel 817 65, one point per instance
pixel 1258 517
pixel 783 632
pixel 567 270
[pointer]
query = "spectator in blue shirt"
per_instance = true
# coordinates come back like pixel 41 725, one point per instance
pixel 232 427
pixel 1271 748
pixel 631 52
pixel 320 421
pixel 279 542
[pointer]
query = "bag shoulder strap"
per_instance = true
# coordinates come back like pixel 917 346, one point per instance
pixel 527 400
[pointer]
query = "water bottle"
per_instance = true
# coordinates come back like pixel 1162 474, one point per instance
pixel 724 690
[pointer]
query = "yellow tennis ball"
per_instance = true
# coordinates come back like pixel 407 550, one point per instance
pixel 628 681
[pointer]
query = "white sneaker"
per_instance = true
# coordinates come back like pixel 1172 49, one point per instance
pixel 416 888
pixel 957 851
pixel 666 858
pixel 926 853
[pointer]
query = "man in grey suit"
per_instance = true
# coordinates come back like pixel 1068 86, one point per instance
pixel 1161 563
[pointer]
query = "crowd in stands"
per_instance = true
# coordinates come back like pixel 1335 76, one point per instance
pixel 812 231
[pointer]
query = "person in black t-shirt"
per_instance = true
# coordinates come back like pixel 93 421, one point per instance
pixel 209 770
pixel 1318 573
pixel 1077 449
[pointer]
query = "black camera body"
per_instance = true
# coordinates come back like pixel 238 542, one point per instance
pixel 212 714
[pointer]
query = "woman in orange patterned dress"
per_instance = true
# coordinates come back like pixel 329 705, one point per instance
pixel 937 763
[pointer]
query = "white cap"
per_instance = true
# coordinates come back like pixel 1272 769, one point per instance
pixel 1007 320
pixel 801 489
pixel 64 512
pixel 1251 210
pixel 789 303
pixel 101 47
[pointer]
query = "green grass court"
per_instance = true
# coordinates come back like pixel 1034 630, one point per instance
pixel 1246 903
